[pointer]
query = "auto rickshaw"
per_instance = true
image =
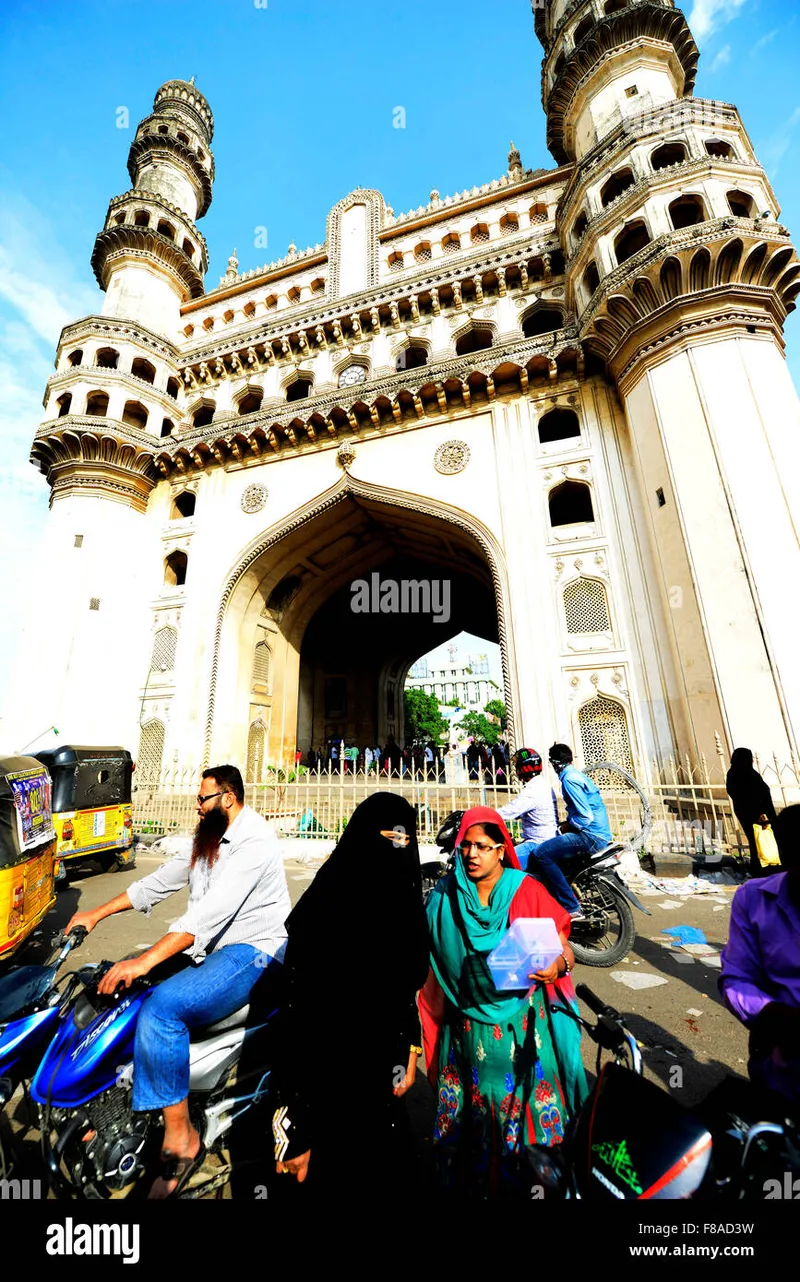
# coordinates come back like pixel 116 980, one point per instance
pixel 27 850
pixel 92 811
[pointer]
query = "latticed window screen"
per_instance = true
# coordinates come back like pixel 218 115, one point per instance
pixel 256 742
pixel 586 607
pixel 450 246
pixel 164 643
pixel 151 752
pixel 262 663
pixel 479 234
pixel 422 253
pixel 604 735
pixel 538 215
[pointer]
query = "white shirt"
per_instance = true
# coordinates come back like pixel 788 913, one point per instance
pixel 243 899
pixel 536 807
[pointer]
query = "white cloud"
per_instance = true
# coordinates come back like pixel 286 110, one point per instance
pixel 41 290
pixel 766 39
pixel 722 58
pixel 708 16
pixel 773 149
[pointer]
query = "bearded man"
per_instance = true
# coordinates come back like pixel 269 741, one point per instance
pixel 231 931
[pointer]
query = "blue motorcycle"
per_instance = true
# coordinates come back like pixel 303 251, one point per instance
pixel 93 1144
pixel 30 1007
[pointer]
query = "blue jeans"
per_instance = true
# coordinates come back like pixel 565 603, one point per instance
pixel 546 858
pixel 196 996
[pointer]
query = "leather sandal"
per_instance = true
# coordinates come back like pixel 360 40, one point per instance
pixel 181 1169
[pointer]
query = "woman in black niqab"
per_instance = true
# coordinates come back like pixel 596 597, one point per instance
pixel 356 957
pixel 752 803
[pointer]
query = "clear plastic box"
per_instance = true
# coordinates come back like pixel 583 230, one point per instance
pixel 530 944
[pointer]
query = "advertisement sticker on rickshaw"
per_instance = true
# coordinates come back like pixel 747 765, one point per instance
pixel 32 793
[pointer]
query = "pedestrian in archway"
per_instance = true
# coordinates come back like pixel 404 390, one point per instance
pixel 752 803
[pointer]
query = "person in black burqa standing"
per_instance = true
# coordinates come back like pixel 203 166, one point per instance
pixel 752 803
pixel 348 1034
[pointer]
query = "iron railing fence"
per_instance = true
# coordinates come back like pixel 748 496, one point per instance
pixel 690 811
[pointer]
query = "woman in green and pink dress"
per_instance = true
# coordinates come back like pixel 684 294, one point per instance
pixel 506 1067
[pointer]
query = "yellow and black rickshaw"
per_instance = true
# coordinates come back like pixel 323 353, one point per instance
pixel 27 850
pixel 92 810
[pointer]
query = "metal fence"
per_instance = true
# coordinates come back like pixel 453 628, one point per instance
pixel 690 809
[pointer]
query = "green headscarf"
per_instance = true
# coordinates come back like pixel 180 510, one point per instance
pixel 464 931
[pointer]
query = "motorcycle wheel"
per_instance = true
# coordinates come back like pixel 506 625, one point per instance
pixel 608 934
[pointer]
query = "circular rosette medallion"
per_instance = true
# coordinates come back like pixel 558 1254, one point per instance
pixel 451 457
pixel 254 497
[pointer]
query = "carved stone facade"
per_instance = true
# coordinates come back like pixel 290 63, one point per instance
pixel 563 392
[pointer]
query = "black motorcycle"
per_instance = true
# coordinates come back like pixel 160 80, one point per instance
pixel 631 1140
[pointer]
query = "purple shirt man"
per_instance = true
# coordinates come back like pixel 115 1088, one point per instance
pixel 760 979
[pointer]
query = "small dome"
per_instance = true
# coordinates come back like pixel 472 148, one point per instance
pixel 185 97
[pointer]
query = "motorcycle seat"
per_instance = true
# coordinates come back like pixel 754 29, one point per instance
pixel 237 1020
pixel 614 848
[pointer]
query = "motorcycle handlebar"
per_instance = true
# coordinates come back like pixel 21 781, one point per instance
pixel 594 1003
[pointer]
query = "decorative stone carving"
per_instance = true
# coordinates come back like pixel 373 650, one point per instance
pixel 254 497
pixel 451 457
pixel 345 456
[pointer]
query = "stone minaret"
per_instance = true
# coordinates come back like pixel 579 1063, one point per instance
pixel 150 258
pixel 681 277
pixel 115 394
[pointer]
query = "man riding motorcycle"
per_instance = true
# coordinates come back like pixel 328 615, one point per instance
pixel 232 930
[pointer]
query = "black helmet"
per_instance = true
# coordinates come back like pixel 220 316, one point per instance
pixel 446 836
pixel 527 763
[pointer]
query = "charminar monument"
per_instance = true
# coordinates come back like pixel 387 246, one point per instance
pixel 557 402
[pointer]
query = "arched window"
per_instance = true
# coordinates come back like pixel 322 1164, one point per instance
pixel 294 295
pixel 188 249
pixel 172 388
pixel 64 402
pixel 423 252
pixel 687 211
pixel 579 227
pixel 251 402
pixel 396 262
pixel 591 278
pixel 141 218
pixel 167 427
pixel 182 137
pixel 615 6
pixel 671 153
pixel 479 233
pixel 183 505
pixel 299 389
pixel 741 204
pixel 256 744
pixel 175 568
pixel 544 320
pixel 633 237
pixel 412 357
pixel 509 223
pixel 106 358
pixel 583 28
pixel 75 358
pixel 150 756
pixel 203 415
pixel 97 403
pixel 570 504
pixel 558 425
pixel 317 286
pixel 208 324
pixel 538 213
pixel 143 369
pixel 719 148
pixel 163 656
pixel 451 243
pixel 475 340
pixel 165 229
pixel 616 185
pixel 586 607
pixel 604 734
pixel 135 415
pixel 262 664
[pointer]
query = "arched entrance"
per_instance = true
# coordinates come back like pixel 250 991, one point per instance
pixel 335 605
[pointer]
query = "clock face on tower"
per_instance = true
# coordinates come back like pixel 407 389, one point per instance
pixel 352 375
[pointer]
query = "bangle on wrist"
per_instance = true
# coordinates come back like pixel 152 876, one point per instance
pixel 416 1050
pixel 567 967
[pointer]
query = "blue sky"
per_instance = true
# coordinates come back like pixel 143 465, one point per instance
pixel 304 94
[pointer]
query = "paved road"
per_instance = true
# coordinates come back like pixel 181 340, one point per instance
pixel 689 1040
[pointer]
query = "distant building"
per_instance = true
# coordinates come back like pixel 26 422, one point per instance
pixel 469 682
